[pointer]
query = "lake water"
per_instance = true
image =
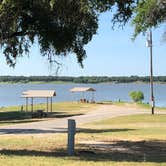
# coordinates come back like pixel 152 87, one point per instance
pixel 10 94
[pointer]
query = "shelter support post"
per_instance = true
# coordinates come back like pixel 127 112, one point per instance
pixel 51 104
pixel 93 98
pixel 32 104
pixel 26 104
pixel 47 104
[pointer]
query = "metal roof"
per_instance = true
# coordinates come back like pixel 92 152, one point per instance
pixel 39 93
pixel 82 89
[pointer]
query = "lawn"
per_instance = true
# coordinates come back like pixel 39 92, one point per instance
pixel 124 141
pixel 13 114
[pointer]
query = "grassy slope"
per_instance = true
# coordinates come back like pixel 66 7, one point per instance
pixel 12 115
pixel 138 105
pixel 133 127
pixel 123 141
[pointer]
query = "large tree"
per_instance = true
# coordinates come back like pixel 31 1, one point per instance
pixel 148 14
pixel 59 26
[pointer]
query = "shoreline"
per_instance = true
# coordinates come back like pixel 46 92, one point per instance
pixel 115 103
pixel 66 82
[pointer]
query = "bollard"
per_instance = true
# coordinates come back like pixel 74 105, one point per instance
pixel 71 134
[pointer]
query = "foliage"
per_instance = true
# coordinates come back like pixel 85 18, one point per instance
pixel 137 96
pixel 85 79
pixel 149 13
pixel 59 26
pixel 66 26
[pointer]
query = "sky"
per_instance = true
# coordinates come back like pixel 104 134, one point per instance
pixel 110 53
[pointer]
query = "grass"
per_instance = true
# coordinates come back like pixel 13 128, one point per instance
pixel 147 106
pixel 127 140
pixel 12 115
pixel 123 141
pixel 133 127
pixel 138 105
pixel 60 106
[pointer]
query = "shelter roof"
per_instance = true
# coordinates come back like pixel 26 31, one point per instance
pixel 39 93
pixel 82 89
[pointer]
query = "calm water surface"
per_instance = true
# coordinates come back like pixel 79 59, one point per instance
pixel 10 94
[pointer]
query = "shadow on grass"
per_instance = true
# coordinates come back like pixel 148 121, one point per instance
pixel 140 151
pixel 86 130
pixel 24 152
pixel 60 115
pixel 18 115
pixel 14 115
pixel 120 151
pixel 17 130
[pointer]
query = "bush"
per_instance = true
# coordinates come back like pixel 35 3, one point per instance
pixel 136 96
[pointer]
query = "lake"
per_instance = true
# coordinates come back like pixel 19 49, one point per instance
pixel 10 94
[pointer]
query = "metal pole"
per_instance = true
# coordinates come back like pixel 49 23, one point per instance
pixel 151 74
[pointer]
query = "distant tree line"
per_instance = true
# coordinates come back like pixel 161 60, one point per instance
pixel 82 79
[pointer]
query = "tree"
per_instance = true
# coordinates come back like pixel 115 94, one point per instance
pixel 136 96
pixel 148 14
pixel 59 26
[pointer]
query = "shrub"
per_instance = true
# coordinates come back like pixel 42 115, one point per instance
pixel 136 96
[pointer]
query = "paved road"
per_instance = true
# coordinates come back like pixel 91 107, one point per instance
pixel 60 125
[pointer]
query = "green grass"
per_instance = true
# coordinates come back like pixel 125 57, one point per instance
pixel 133 119
pixel 13 115
pixel 57 107
pixel 133 127
pixel 127 140
pixel 138 105
pixel 123 141
pixel 147 106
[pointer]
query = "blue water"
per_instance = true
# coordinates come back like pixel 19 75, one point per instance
pixel 10 94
